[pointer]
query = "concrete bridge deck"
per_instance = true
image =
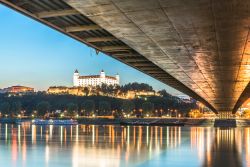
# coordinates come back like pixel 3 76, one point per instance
pixel 198 47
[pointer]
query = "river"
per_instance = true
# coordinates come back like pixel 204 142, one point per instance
pixel 28 145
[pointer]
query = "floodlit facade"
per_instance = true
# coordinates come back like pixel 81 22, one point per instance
pixel 131 94
pixel 94 80
pixel 17 89
pixel 78 91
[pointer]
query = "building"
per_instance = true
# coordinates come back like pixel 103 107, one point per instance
pixel 185 98
pixel 131 94
pixel 94 80
pixel 18 89
pixel 78 91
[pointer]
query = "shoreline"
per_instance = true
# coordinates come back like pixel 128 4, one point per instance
pixel 206 122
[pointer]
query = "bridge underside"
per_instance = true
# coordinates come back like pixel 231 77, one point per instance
pixel 198 47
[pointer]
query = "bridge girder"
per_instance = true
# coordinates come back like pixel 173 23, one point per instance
pixel 187 46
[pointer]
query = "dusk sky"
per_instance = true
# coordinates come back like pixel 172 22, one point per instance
pixel 35 55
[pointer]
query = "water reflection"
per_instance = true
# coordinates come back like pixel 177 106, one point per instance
pixel 82 145
pixel 224 151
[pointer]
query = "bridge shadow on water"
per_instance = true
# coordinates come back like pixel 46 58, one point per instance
pixel 224 149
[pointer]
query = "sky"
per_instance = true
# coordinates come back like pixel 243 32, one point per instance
pixel 32 54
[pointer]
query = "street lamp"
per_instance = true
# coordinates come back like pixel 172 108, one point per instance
pixel 161 111
pixel 140 110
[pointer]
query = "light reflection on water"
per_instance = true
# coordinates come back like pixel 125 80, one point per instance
pixel 107 146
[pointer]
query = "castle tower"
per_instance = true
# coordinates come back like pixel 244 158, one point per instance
pixel 76 78
pixel 117 78
pixel 102 75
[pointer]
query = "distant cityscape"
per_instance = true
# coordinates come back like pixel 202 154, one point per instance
pixel 94 85
pixel 95 88
pixel 98 95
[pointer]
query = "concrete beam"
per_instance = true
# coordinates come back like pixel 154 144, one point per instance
pixel 149 69
pixel 82 28
pixel 57 13
pixel 131 60
pixel 126 55
pixel 140 64
pixel 152 71
pixel 100 39
pixel 114 48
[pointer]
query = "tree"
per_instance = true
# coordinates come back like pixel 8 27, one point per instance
pixel 118 114
pixel 104 89
pixel 104 108
pixel 42 108
pixel 164 93
pixel 128 106
pixel 5 108
pixel 147 108
pixel 72 109
pixel 136 87
pixel 89 107
pixel 16 108
pixel 86 91
pixel 98 90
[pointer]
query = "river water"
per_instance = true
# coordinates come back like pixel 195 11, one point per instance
pixel 110 146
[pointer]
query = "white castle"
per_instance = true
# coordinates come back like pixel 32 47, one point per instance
pixel 94 80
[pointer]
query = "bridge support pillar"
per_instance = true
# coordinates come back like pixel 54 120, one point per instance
pixel 226 115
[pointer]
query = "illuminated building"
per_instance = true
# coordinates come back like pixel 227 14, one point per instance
pixel 131 94
pixel 79 91
pixel 94 80
pixel 18 89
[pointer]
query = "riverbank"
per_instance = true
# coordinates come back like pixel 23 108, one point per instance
pixel 107 121
pixel 110 121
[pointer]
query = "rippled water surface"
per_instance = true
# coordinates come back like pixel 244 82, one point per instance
pixel 108 146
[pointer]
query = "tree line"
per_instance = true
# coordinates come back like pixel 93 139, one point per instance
pixel 40 104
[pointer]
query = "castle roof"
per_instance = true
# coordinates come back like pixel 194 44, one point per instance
pixel 76 71
pixel 95 76
pixel 89 76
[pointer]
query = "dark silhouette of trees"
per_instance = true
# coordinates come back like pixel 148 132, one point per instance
pixel 128 106
pixel 89 107
pixel 136 87
pixel 164 104
pixel 42 108
pixel 72 109
pixel 5 108
pixel 104 108
pixel 147 108
pixel 16 108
